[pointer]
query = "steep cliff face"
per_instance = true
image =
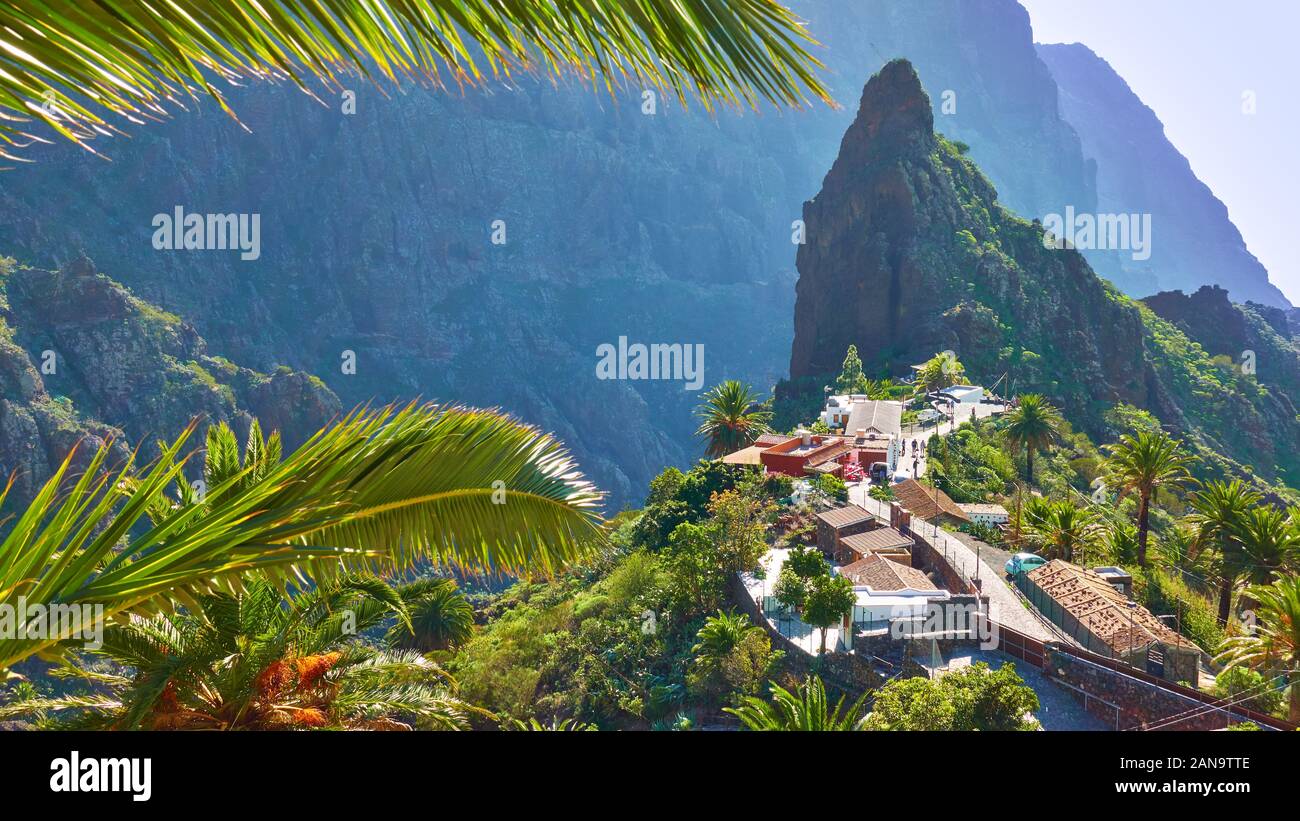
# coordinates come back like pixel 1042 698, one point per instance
pixel 81 357
pixel 669 227
pixel 1253 337
pixel 990 89
pixel 909 253
pixel 1140 171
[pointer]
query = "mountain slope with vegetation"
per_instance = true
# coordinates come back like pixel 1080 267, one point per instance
pixel 81 357
pixel 910 252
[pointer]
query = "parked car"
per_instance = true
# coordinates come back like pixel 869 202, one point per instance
pixel 879 471
pixel 1023 563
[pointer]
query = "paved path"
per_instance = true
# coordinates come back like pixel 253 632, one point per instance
pixel 945 427
pixel 1005 605
pixel 1058 708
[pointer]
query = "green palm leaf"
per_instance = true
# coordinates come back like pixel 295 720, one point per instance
pixel 74 65
pixel 378 490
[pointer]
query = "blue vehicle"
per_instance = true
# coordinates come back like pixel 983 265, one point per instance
pixel 1023 563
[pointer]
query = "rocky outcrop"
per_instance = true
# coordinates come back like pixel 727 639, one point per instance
pixel 909 253
pixel 84 360
pixel 1139 171
pixel 1253 337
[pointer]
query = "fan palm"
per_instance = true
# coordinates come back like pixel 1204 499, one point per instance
pixel 731 418
pixel 1141 463
pixel 379 489
pixel 74 66
pixel 1063 531
pixel 1220 509
pixel 252 661
pixel 440 616
pixel 805 709
pixel 1274 644
pixel 1033 425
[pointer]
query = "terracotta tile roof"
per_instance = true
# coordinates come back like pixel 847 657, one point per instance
pixel 844 516
pixel 830 450
pixel 882 576
pixel 824 467
pixel 744 456
pixel 926 502
pixel 986 509
pixel 767 440
pixel 875 414
pixel 1104 611
pixel 882 538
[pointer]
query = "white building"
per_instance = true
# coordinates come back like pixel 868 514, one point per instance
pixel 887 590
pixel 991 515
pixel 964 394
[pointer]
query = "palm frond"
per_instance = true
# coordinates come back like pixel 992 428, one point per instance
pixel 78 66
pixel 378 490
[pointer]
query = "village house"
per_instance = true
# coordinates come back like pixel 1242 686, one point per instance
pixel 963 394
pixel 807 454
pixel 1088 607
pixel 834 525
pixel 986 514
pixel 885 542
pixel 930 504
pixel 888 591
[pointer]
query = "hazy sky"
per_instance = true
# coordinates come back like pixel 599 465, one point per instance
pixel 1190 61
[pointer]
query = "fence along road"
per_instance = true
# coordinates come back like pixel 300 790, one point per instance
pixel 1005 605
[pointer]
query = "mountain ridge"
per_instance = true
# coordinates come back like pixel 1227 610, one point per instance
pixel 910 253
pixel 1140 170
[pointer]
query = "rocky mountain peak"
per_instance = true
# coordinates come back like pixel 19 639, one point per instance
pixel 894 118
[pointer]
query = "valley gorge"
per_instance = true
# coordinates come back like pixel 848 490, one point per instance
pixel 669 227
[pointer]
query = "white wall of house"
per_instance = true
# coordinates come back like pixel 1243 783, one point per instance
pixel 893 604
pixel 991 519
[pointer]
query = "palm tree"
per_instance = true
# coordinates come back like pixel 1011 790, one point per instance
pixel 1141 463
pixel 1033 424
pixel 731 418
pixel 1220 509
pixel 940 371
pixel 82 63
pixel 532 725
pixel 1270 544
pixel 1182 552
pixel 252 661
pixel 440 616
pixel 379 489
pixel 1274 644
pixel 881 388
pixel 805 709
pixel 721 634
pixel 1063 531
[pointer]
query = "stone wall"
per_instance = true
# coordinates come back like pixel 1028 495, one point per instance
pixel 931 560
pixel 1125 702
